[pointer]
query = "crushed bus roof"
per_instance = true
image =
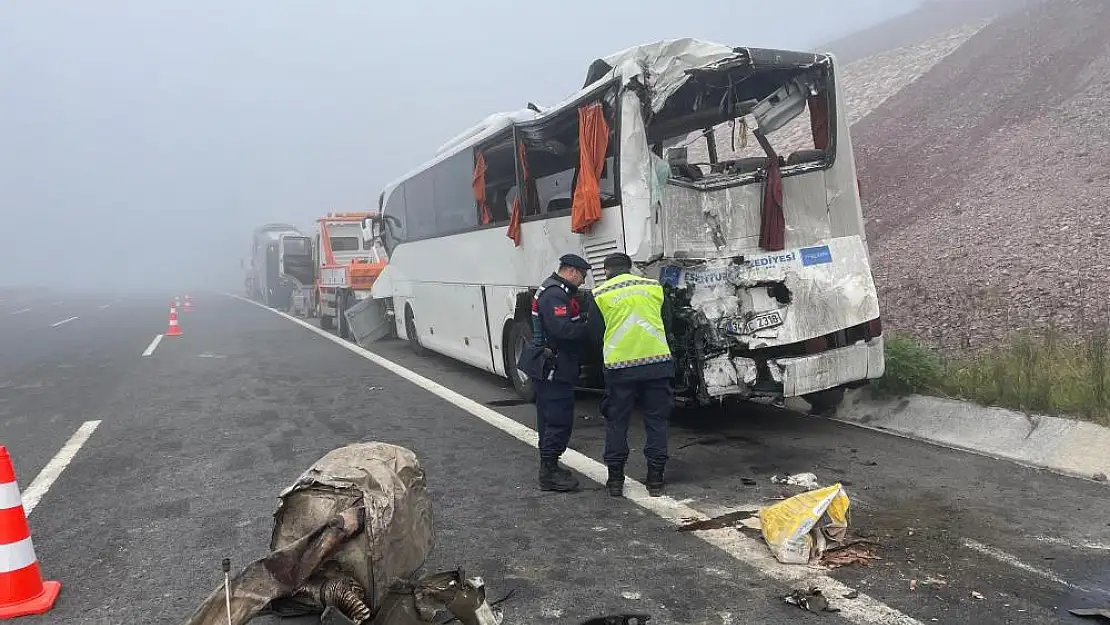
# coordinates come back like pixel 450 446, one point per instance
pixel 669 64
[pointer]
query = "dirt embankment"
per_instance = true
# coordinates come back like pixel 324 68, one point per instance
pixel 987 182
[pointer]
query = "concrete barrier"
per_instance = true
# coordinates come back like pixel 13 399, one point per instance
pixel 1065 445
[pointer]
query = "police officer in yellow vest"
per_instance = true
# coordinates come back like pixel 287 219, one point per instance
pixel 638 369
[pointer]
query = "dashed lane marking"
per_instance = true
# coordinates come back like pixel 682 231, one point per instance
pixel 153 345
pixel 63 321
pixel 21 311
pixel 862 609
pixel 53 469
pixel 104 306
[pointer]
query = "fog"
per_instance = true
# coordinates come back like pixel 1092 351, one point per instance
pixel 141 142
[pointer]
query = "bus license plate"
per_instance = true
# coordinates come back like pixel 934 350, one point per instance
pixel 763 321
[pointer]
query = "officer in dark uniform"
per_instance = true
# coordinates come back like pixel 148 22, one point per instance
pixel 559 338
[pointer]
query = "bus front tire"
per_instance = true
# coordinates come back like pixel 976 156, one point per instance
pixel 519 335
pixel 410 331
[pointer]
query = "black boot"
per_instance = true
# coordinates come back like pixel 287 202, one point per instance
pixel 654 481
pixel 553 477
pixel 615 483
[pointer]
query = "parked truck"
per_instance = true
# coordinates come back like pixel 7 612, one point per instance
pixel 347 264
pixel 270 278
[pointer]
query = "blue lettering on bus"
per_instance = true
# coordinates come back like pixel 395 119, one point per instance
pixel 816 255
pixel 770 260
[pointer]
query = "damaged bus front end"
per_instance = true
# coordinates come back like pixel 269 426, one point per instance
pixel 739 193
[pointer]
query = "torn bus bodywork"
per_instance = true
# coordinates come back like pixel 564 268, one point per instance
pixel 739 205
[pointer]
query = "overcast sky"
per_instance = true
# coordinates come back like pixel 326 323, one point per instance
pixel 140 142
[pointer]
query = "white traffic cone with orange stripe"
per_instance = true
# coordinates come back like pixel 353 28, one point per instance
pixel 22 589
pixel 174 329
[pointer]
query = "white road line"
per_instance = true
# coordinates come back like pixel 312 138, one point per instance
pixel 53 469
pixel 153 345
pixel 1013 561
pixel 863 609
pixel 1063 543
pixel 105 306
pixel 54 325
pixel 20 312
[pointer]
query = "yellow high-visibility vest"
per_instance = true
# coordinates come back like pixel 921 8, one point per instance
pixel 634 332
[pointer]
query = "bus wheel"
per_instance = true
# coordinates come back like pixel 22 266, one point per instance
pixel 825 402
pixel 410 331
pixel 519 335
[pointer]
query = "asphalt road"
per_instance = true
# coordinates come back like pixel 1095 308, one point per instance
pixel 196 441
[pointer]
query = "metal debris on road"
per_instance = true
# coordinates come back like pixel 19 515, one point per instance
pixel 812 600
pixel 1092 613
pixel 349 536
pixel 805 480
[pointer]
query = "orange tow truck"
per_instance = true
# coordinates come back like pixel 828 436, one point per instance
pixel 347 265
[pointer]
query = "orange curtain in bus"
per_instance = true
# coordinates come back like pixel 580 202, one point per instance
pixel 479 185
pixel 819 121
pixel 593 141
pixel 514 222
pixel 772 227
pixel 514 219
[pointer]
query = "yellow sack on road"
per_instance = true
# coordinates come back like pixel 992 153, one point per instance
pixel 796 529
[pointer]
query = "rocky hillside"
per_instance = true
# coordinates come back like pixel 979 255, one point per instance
pixel 987 181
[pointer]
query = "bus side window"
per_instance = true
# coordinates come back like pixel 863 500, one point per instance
pixel 552 152
pixel 501 182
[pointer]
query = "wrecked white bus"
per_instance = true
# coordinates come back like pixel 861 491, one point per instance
pixel 700 162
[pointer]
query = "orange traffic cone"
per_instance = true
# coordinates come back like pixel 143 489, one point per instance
pixel 188 304
pixel 22 590
pixel 174 329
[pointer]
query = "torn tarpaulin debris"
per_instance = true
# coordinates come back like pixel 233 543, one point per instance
pixel 797 530
pixel 350 534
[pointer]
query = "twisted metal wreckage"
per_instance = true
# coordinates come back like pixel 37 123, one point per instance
pixel 349 538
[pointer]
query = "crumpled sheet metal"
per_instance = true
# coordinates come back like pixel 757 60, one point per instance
pixel 830 286
pixel 817 372
pixel 398 533
pixel 662 65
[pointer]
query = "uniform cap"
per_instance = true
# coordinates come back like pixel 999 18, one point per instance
pixel 574 260
pixel 619 259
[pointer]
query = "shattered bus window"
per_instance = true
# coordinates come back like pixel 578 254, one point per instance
pixel 710 130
